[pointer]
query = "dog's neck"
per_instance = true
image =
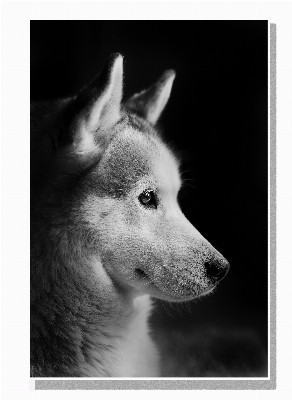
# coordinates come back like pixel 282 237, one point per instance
pixel 76 318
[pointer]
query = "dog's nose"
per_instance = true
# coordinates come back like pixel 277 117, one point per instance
pixel 216 270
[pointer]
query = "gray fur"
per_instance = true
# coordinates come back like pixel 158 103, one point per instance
pixel 94 248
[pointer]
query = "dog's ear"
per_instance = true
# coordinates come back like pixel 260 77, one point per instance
pixel 150 103
pixel 97 107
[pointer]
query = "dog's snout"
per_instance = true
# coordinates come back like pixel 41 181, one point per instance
pixel 217 270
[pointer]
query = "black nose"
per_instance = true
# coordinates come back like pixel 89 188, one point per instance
pixel 217 269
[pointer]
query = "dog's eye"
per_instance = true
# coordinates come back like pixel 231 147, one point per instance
pixel 147 198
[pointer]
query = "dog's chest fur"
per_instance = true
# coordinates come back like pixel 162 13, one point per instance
pixel 136 351
pixel 132 353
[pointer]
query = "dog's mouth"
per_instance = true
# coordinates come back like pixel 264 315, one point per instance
pixel 141 274
pixel 156 291
pixel 145 283
pixel 144 280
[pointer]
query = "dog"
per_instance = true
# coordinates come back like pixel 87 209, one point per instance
pixel 107 232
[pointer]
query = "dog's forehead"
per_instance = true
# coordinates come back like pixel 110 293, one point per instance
pixel 167 172
pixel 133 154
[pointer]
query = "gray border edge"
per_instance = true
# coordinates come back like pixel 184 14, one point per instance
pixel 100 384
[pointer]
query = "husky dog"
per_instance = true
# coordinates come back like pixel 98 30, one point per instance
pixel 106 231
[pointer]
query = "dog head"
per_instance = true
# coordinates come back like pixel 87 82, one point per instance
pixel 127 198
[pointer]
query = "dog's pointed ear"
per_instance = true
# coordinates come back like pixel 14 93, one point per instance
pixel 98 106
pixel 150 102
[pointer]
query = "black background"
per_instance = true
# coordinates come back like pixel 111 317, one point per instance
pixel 217 117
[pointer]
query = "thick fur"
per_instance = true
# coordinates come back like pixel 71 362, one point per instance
pixel 99 250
